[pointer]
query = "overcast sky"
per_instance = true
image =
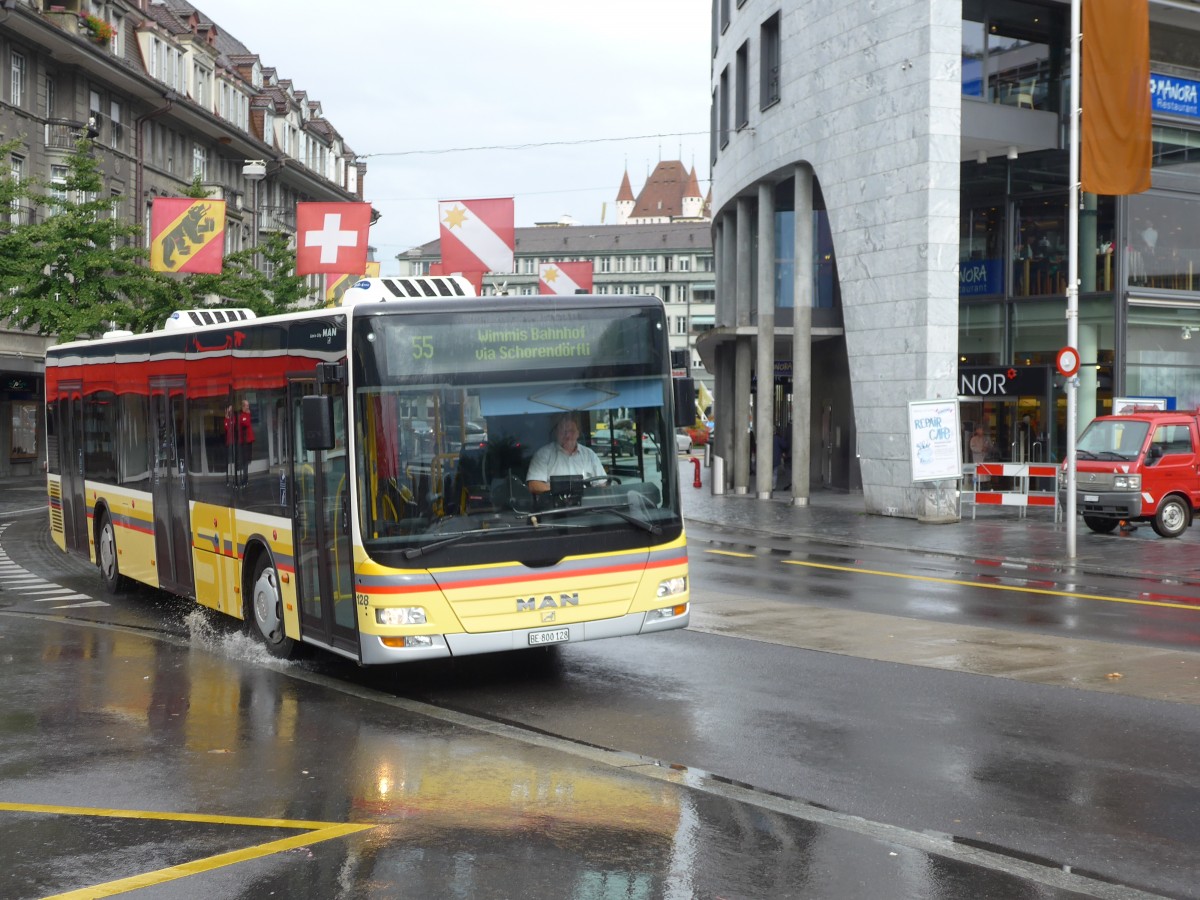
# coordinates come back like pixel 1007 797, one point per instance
pixel 593 76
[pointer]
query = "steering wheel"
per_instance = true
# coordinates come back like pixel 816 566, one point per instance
pixel 601 480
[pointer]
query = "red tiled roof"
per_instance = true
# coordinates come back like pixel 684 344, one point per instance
pixel 664 191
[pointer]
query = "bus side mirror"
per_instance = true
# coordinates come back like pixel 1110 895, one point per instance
pixel 685 401
pixel 316 412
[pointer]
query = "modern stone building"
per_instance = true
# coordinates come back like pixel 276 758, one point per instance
pixel 165 94
pixel 889 190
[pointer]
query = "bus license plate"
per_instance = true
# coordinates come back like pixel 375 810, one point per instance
pixel 1091 498
pixel 549 637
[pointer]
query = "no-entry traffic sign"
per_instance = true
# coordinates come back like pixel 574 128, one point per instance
pixel 1067 362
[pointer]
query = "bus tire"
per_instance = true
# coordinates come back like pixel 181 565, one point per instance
pixel 266 611
pixel 106 556
pixel 1101 525
pixel 1173 517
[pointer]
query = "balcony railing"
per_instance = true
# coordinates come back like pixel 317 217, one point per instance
pixel 277 218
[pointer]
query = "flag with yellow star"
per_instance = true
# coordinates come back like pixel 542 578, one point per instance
pixel 565 278
pixel 477 235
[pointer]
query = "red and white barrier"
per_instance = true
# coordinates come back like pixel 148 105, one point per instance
pixel 1020 495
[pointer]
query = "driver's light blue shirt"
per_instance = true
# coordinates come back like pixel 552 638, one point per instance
pixel 552 460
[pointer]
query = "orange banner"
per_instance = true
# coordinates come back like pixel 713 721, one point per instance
pixel 1114 147
pixel 187 235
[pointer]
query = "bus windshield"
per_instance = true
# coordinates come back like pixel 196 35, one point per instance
pixel 452 410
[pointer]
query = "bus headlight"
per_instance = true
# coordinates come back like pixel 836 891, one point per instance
pixel 672 586
pixel 401 615
pixel 1127 482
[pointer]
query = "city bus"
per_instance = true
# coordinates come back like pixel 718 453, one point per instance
pixel 353 478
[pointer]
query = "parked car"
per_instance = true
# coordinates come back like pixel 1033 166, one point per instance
pixel 683 440
pixel 1141 467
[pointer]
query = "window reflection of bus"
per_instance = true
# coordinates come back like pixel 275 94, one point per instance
pixel 380 509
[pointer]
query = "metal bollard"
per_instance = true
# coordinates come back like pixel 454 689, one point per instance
pixel 696 466
pixel 718 475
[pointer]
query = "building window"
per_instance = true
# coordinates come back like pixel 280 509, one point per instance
pixel 200 162
pixel 651 263
pixel 604 264
pixel 769 76
pixel 116 130
pixel 680 325
pixel 58 188
pixel 51 96
pixel 723 110
pixel 17 171
pixel 684 264
pixel 724 15
pixel 16 94
pixel 741 106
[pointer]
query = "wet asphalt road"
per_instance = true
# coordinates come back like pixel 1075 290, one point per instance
pixel 583 773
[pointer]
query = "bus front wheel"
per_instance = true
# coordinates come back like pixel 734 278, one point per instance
pixel 106 556
pixel 266 610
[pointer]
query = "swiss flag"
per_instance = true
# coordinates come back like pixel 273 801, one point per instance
pixel 565 278
pixel 331 238
pixel 477 235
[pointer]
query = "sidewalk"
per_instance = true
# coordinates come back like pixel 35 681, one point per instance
pixel 997 534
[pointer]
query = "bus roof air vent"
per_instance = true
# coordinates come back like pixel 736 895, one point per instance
pixel 380 290
pixel 198 318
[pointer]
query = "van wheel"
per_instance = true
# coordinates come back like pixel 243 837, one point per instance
pixel 266 611
pixel 1172 518
pixel 106 557
pixel 1100 525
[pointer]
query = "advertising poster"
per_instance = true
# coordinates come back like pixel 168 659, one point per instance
pixel 935 442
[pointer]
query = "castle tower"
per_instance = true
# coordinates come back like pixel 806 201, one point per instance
pixel 693 200
pixel 624 200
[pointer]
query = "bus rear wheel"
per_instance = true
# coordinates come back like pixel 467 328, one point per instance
pixel 106 556
pixel 266 611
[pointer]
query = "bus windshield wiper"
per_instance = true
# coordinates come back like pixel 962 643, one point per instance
pixel 651 527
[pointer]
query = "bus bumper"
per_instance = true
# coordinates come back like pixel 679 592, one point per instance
pixel 374 652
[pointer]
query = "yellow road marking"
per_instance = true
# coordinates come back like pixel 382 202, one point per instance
pixel 995 587
pixel 314 833
pixel 731 553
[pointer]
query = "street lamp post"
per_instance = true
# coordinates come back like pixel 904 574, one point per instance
pixel 254 171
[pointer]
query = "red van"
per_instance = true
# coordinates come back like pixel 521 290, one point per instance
pixel 1144 466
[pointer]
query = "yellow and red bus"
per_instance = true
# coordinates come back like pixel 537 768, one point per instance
pixel 353 478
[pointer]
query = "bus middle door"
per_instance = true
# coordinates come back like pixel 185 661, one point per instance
pixel 172 519
pixel 74 493
pixel 321 525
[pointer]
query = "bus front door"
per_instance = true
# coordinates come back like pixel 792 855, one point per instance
pixel 172 521
pixel 74 494
pixel 321 525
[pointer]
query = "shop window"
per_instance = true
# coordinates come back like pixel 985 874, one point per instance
pixel 24 431
pixel 1163 249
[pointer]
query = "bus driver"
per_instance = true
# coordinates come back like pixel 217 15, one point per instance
pixel 563 456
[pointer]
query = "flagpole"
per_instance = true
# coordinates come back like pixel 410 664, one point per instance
pixel 1072 384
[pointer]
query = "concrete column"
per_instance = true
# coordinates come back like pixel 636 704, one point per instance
pixel 802 291
pixel 743 289
pixel 726 317
pixel 764 399
pixel 724 425
pixel 1088 244
pixel 1089 342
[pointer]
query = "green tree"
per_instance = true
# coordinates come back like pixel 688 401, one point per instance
pixel 78 268
pixel 243 284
